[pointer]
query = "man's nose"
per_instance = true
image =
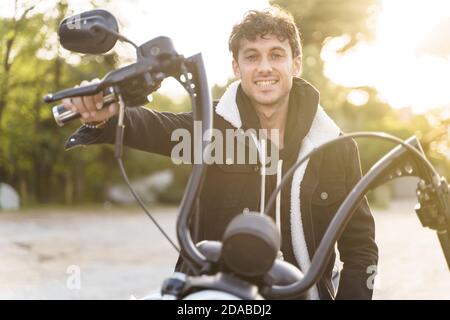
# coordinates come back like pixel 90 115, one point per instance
pixel 264 65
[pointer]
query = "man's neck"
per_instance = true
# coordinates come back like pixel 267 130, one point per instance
pixel 274 117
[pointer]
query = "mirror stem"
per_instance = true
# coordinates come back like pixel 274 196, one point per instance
pixel 114 33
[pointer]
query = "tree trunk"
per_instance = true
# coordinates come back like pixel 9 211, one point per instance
pixel 23 190
pixel 68 188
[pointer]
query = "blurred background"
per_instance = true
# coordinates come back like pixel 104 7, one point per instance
pixel 379 65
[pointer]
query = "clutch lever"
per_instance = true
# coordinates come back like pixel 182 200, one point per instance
pixel 87 90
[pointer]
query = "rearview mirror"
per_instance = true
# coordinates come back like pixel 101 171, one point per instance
pixel 85 32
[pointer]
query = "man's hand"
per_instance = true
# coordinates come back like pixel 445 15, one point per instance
pixel 90 107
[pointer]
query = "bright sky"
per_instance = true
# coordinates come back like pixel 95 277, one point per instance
pixel 397 63
pixel 403 75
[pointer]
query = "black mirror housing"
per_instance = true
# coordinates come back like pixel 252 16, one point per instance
pixel 85 32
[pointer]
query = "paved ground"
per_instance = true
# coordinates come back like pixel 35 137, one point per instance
pixel 119 254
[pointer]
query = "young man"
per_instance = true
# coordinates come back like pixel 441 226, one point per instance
pixel 266 60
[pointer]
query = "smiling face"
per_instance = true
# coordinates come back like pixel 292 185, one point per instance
pixel 266 68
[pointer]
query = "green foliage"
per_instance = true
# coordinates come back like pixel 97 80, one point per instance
pixel 32 156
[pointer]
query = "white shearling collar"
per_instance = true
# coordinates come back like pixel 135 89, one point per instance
pixel 322 129
pixel 227 107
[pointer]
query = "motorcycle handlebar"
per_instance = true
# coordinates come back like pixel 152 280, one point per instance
pixel 346 209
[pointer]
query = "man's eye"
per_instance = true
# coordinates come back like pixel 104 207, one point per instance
pixel 251 58
pixel 277 56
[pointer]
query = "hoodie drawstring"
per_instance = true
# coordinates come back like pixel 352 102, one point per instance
pixel 263 175
pixel 278 202
pixel 263 150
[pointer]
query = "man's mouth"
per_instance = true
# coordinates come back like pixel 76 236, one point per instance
pixel 265 83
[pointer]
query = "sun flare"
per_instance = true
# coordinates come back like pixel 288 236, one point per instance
pixel 409 61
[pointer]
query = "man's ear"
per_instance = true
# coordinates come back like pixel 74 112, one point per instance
pixel 297 64
pixel 237 72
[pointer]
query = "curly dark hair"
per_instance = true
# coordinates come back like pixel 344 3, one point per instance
pixel 272 21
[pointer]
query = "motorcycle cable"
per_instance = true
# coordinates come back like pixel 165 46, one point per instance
pixel 120 129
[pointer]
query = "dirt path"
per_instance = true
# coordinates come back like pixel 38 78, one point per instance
pixel 119 255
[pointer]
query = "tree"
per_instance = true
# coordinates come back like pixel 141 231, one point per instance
pixel 13 26
pixel 31 145
pixel 32 156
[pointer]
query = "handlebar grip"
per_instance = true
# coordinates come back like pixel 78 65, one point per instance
pixel 63 116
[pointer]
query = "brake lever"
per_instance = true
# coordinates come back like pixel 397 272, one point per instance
pixel 87 90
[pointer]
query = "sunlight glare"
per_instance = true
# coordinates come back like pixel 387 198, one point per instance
pixel 404 75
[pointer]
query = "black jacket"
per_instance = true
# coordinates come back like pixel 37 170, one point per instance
pixel 231 189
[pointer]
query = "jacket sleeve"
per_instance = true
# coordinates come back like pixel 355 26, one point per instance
pixel 357 248
pixel 145 129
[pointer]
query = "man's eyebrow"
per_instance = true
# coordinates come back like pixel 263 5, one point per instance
pixel 278 48
pixel 247 50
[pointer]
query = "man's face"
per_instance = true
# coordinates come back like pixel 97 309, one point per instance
pixel 266 67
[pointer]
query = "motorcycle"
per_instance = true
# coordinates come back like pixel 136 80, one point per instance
pixel 218 269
